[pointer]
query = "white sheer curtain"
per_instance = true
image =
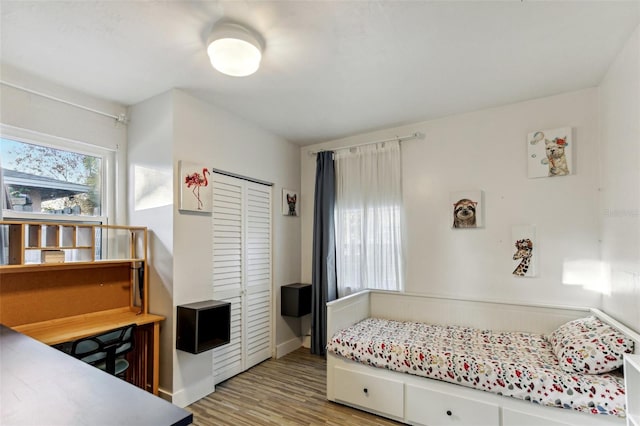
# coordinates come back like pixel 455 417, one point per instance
pixel 368 218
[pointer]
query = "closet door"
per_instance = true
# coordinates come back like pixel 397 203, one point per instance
pixel 227 216
pixel 242 271
pixel 258 273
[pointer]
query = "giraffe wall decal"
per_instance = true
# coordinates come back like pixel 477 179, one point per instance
pixel 524 251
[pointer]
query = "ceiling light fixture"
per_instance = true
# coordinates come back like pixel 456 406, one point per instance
pixel 234 50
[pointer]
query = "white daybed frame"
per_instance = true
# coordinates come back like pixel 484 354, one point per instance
pixel 422 401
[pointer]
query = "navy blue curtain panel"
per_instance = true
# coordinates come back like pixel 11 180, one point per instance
pixel 323 281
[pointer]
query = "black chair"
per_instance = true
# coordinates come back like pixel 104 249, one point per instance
pixel 106 351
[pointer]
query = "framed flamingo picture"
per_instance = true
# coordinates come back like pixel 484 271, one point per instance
pixel 195 189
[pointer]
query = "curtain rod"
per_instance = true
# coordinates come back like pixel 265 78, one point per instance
pixel 416 135
pixel 120 118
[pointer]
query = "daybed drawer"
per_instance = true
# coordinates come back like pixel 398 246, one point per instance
pixel 518 418
pixel 428 407
pixel 370 392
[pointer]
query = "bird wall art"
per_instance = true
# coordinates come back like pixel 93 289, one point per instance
pixel 195 188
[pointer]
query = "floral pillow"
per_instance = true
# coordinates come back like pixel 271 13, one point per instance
pixel 589 346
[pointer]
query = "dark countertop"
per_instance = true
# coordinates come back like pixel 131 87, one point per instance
pixel 40 385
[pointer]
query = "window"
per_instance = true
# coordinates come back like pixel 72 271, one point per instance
pixel 43 180
pixel 368 218
pixel 369 249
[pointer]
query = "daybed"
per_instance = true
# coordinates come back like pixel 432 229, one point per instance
pixel 379 381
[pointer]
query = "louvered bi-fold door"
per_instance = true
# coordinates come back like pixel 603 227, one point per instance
pixel 258 273
pixel 242 271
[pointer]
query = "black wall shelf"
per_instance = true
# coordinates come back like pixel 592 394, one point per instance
pixel 295 300
pixel 202 326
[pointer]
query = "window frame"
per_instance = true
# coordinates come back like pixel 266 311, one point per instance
pixel 108 175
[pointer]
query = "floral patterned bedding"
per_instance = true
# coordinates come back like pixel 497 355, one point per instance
pixel 520 365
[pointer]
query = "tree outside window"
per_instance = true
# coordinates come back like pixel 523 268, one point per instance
pixel 43 179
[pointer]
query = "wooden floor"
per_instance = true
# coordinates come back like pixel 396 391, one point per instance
pixel 287 391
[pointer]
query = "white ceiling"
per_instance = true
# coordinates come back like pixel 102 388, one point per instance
pixel 331 68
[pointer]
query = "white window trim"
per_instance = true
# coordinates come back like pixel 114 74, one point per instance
pixel 108 173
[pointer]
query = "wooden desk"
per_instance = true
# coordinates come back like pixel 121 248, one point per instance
pixel 62 302
pixel 43 386
pixel 68 329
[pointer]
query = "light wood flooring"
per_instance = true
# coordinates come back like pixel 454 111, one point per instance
pixel 287 391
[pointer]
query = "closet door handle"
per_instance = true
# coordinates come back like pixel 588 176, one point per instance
pixel 449 413
pixel 366 391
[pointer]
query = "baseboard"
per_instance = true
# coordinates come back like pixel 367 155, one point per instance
pixel 199 390
pixel 287 347
pixel 166 395
pixel 306 341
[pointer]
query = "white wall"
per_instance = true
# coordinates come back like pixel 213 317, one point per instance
pixel 177 126
pixel 150 202
pixel 620 196
pixel 486 150
pixel 35 113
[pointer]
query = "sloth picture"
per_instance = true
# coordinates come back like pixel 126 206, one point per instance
pixel 467 209
pixel 464 213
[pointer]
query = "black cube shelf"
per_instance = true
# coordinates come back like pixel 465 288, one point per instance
pixel 202 326
pixel 295 300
